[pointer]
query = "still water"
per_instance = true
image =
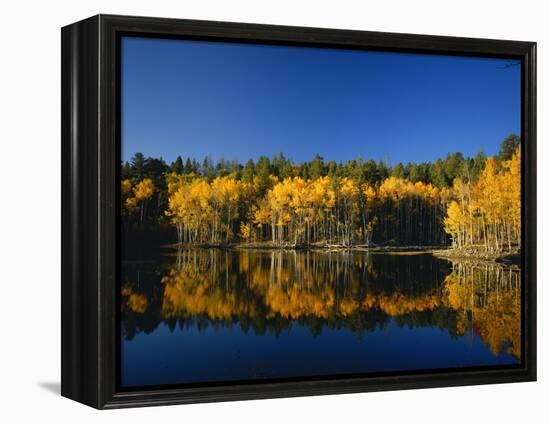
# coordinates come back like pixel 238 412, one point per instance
pixel 210 315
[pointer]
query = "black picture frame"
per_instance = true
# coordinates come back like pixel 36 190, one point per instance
pixel 90 138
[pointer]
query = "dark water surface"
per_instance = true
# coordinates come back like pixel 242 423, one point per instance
pixel 210 315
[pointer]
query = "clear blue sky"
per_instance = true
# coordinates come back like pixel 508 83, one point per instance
pixel 241 101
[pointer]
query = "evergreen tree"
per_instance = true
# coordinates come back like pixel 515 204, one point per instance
pixel 316 168
pixel 331 168
pixel 382 171
pixel 398 171
pixel 177 165
pixel 453 167
pixel 478 162
pixel 188 169
pixel 508 147
pixel 437 174
pixel 248 171
pixel 370 172
pixel 414 172
pixel 137 164
pixel 263 170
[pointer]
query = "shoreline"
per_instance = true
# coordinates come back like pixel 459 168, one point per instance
pixel 478 254
pixel 442 252
pixel 299 247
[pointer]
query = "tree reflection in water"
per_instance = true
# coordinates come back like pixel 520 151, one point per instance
pixel 267 291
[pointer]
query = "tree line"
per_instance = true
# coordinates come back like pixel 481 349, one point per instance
pixel 454 200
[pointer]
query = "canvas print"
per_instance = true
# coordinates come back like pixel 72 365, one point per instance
pixel 291 212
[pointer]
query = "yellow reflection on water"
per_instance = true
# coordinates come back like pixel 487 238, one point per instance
pixel 226 285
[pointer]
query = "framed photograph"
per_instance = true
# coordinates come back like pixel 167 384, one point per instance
pixel 254 211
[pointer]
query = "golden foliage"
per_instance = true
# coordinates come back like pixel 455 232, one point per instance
pixel 485 300
pixel 489 211
pixel 134 301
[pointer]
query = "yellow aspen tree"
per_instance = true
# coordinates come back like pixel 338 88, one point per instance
pixel 455 222
pixel 490 201
pixel 512 197
pixel 143 191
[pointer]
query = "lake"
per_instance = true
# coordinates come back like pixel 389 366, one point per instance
pixel 211 315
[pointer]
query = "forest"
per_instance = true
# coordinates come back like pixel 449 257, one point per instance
pixel 456 201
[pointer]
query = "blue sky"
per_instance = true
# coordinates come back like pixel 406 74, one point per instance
pixel 241 101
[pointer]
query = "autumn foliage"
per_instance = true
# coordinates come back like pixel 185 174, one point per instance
pixel 487 212
pixel 347 212
pixel 297 211
pixel 469 202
